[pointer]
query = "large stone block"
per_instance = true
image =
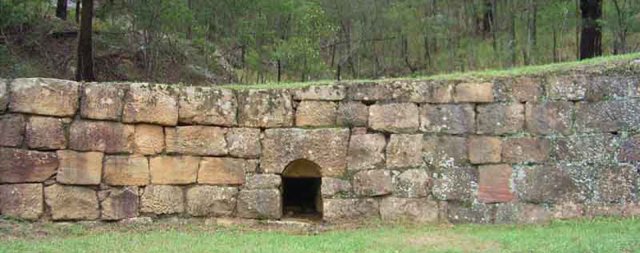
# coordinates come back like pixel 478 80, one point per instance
pixel 494 183
pixel 476 212
pixel 421 91
pixel 549 118
pixel 336 210
pixel 394 118
pixel 630 150
pixel 366 151
pixel 316 113
pixel 455 183
pixel 608 116
pixel 126 170
pixel 207 106
pixel 325 147
pixel 54 97
pixel 369 91
pixel 260 204
pixel 224 170
pixel 522 213
pixel 612 86
pixel 23 201
pixel 335 186
pixel 108 137
pixel 265 108
pixel 46 133
pixel 173 169
pixel 120 203
pixel 24 166
pixel 527 89
pixel 449 118
pixel 321 92
pixel 618 184
pixel 148 139
pixel 12 128
pixel 151 103
pixel 196 140
pixel 404 151
pixel 474 93
pixel 413 183
pixel 373 183
pixel 352 114
pixel 585 148
pixel 102 101
pixel 244 142
pixel 204 200
pixel 567 87
pixel 162 199
pixel 525 149
pixel 79 168
pixel 263 181
pixel 71 202
pixel 409 209
pixel 500 119
pixel 438 150
pixel 4 95
pixel 484 149
pixel 544 184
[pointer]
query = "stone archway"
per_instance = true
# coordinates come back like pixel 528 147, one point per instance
pixel 301 196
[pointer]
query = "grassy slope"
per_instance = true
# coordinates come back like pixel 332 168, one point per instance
pixel 600 235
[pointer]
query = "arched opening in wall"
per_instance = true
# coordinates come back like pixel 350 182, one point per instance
pixel 301 197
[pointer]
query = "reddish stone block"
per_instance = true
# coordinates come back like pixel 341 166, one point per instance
pixel 495 183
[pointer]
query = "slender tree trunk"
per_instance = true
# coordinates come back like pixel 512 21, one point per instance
pixel 531 31
pixel 620 41
pixel 189 26
pixel 84 71
pixel 487 18
pixel 512 34
pixel 61 9
pixel 78 11
pixel 591 34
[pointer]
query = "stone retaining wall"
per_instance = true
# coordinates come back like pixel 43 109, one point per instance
pixel 512 149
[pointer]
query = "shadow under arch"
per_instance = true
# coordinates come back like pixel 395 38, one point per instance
pixel 301 196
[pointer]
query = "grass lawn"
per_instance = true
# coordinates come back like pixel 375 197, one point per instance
pixel 599 235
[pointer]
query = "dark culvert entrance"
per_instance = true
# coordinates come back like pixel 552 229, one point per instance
pixel 301 197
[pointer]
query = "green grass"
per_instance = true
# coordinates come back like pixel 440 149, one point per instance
pixel 599 235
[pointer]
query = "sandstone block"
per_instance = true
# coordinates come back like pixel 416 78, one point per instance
pixel 265 108
pixel 618 184
pixel 24 166
pixel 484 149
pixel 394 118
pixel 608 116
pixel 522 213
pixel 459 212
pixel 585 148
pixel 474 92
pixel 316 113
pixel 369 91
pixel 409 209
pixel 173 169
pixel 162 199
pixel 437 150
pixel 422 91
pixel 4 95
pixel 46 133
pixel 148 139
pixel 500 119
pixel 544 184
pixel 208 106
pixel 244 142
pixel 612 86
pixel 126 170
pixel 321 92
pixel 336 210
pixel 334 186
pixel 413 183
pixel 404 151
pixel 120 203
pixel 108 137
pixel 23 201
pixel 568 87
pixel 494 183
pixel 447 118
pixel 151 103
pixel 263 181
pixel 53 97
pixel 525 149
pixel 79 168
pixel 204 200
pixel 366 151
pixel 260 204
pixel 71 202
pixel 196 140
pixel 372 183
pixel 630 150
pixel 549 118
pixel 224 171
pixel 455 183
pixel 352 114
pixel 526 89
pixel 12 128
pixel 102 101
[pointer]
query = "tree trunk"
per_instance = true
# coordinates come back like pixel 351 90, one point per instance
pixel 620 40
pixel 189 26
pixel 77 11
pixel 487 18
pixel 591 34
pixel 84 71
pixel 61 9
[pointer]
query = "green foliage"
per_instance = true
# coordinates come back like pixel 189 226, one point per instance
pixel 18 12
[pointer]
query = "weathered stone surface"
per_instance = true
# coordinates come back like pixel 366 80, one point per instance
pixel 263 181
pixel 79 168
pixel 447 118
pixel 151 103
pixel 404 151
pixel 567 87
pixel 544 184
pixel 585 148
pixel 494 183
pixel 484 149
pixel 521 213
pixel 173 169
pixel 204 200
pixel 608 116
pixel 108 137
pixel 207 106
pixel 526 89
pixel 549 117
pixel 23 201
pixel 148 139
pixel 409 209
pixel 325 147
pixel 459 212
pixel 54 97
pixel 422 91
pixel 71 202
pixel 126 170
pixel 162 199
pixel 438 150
pixel 630 150
pixel 455 183
pixel 413 183
pixel 373 183
pixel 335 210
pixel 260 204
pixel 366 151
pixel 618 184
pixel 102 101
pixel 611 86
pixel 120 203
pixel 24 166
pixel 500 119
pixel 334 186
pixel 12 128
pixel 324 92
pixel 265 108
pixel 196 140
pixel 224 171
pixel 316 113
pixel 244 142
pixel 394 118
pixel 474 92
pixel 525 149
pixel 4 95
pixel 352 114
pixel 369 91
pixel 46 133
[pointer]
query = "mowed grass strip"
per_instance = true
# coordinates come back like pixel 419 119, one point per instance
pixel 597 235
